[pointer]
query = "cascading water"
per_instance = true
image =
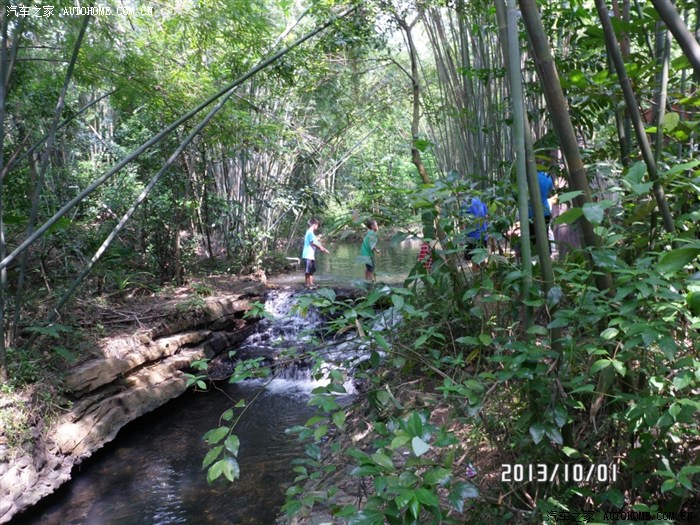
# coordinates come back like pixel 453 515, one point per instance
pixel 151 474
pixel 290 333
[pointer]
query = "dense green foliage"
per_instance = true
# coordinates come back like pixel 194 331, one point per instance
pixel 396 111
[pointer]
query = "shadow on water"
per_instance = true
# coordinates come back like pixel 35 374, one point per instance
pixel 151 474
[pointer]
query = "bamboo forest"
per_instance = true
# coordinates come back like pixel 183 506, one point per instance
pixel 265 262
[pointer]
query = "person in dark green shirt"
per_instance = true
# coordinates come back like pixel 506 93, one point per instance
pixel 368 249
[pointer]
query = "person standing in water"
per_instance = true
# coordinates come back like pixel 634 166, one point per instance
pixel 369 248
pixel 308 255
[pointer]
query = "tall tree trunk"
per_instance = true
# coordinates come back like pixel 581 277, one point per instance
pixel 39 183
pixel 4 81
pixel 415 152
pixel 664 56
pixel 691 49
pixel 561 121
pixel 511 55
pixel 635 114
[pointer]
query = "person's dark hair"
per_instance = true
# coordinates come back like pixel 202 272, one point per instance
pixel 312 222
pixel 371 223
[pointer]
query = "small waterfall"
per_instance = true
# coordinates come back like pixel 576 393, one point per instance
pixel 284 335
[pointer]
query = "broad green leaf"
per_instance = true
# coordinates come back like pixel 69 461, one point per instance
pixel 537 432
pixel 339 419
pixel 232 443
pixel 419 446
pixel 398 301
pixel 609 333
pixel 594 212
pixel 600 365
pixel 485 339
pixel 414 425
pixel 682 380
pixel 399 441
pixel 636 174
pixel 211 456
pixel 568 217
pixel 560 415
pixel 216 435
pixel 615 497
pixel 320 432
pixel 619 367
pixel 367 517
pixel 669 484
pixel 568 196
pixel 383 460
pixel 671 120
pixel 216 470
pixel 427 497
pixel 676 259
pixel 231 469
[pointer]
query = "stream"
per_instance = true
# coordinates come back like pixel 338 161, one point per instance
pixel 151 473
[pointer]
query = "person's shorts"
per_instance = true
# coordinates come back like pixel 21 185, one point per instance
pixel 309 266
pixel 369 267
pixel 547 220
pixel 473 243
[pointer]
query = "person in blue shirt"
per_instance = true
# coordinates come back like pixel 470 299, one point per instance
pixel 475 212
pixel 308 254
pixel 546 188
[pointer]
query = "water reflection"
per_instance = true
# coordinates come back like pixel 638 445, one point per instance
pixel 342 269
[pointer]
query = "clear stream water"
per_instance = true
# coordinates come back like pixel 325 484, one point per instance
pixel 151 473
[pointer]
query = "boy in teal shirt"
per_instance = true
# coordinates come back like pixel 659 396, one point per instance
pixel 369 246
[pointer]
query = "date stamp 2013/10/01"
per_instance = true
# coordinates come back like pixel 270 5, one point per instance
pixel 567 473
